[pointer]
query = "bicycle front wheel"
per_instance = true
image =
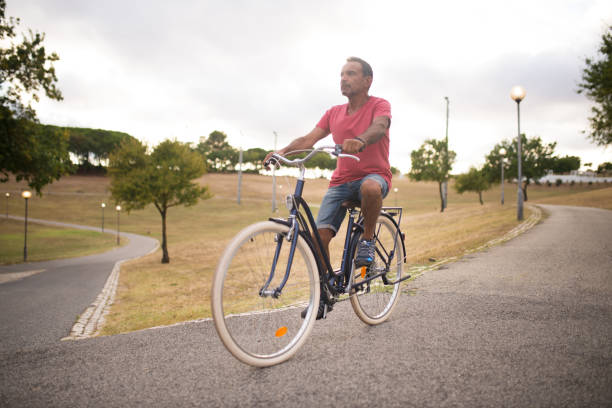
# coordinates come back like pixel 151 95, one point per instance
pixel 263 330
pixel 374 300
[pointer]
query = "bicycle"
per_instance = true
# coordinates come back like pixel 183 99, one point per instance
pixel 257 309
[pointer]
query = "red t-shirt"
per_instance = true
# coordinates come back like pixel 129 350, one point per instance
pixel 342 126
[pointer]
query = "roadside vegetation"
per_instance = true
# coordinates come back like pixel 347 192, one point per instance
pixel 152 294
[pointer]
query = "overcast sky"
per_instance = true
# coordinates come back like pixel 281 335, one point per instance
pixel 181 69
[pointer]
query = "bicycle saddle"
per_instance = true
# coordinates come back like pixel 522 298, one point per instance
pixel 350 204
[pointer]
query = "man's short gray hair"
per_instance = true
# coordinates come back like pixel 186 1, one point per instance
pixel 365 67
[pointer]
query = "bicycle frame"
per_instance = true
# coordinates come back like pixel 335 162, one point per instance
pixel 300 225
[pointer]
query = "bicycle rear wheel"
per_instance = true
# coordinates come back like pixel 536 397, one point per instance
pixel 374 301
pixel 264 330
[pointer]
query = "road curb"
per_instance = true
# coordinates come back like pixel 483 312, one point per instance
pixel 93 317
pixel 90 322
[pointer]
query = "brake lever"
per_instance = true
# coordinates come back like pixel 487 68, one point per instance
pixel 338 153
pixel 274 162
pixel 337 150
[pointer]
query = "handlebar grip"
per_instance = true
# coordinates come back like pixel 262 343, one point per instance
pixel 272 161
pixel 338 153
pixel 337 150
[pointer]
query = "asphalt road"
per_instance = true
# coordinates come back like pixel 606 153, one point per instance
pixel 40 309
pixel 527 323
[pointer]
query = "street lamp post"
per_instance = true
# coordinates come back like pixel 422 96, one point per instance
pixel 103 205
pixel 118 208
pixel 445 185
pixel 239 175
pixel 395 191
pixel 7 200
pixel 26 195
pixel 502 153
pixel 518 94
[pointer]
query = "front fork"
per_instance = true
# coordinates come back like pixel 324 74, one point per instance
pixel 292 237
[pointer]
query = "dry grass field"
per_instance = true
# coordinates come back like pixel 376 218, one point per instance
pixel 152 294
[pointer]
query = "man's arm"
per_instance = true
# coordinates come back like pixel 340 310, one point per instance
pixel 376 131
pixel 304 142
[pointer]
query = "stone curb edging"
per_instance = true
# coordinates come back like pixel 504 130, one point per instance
pixel 532 220
pixel 93 316
pixel 92 319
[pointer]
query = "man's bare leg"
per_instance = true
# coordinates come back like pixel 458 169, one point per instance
pixel 326 235
pixel 371 203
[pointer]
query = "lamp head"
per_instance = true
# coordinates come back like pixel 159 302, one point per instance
pixel 502 152
pixel 26 194
pixel 103 205
pixel 517 93
pixel 8 195
pixel 118 208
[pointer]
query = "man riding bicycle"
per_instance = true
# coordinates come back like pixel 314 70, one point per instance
pixel 361 126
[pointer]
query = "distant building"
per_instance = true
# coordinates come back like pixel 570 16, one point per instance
pixel 575 176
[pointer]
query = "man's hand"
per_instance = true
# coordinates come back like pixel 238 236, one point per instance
pixel 352 146
pixel 266 162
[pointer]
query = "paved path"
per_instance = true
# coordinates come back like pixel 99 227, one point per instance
pixel 527 323
pixel 40 309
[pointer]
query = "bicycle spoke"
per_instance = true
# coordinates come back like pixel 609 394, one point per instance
pixel 261 329
pixel 374 300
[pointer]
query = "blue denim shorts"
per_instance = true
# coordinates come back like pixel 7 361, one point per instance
pixel 331 214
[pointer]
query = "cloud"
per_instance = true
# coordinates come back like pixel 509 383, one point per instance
pixel 183 69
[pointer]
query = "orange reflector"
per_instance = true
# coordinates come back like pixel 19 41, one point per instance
pixel 281 332
pixel 363 272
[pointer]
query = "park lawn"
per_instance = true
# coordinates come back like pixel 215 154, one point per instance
pixel 599 198
pixel 152 294
pixel 46 243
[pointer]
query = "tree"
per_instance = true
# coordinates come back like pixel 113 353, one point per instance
pixel 254 156
pixel 162 178
pixel 597 86
pixel 430 163
pixel 565 164
pixel 90 144
pixel 604 168
pixel 474 180
pixel 537 158
pixel 30 154
pixel 218 153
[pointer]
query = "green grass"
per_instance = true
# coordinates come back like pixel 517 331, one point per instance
pixel 46 243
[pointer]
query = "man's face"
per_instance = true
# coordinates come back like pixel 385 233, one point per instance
pixel 352 81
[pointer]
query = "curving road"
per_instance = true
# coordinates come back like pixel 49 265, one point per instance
pixel 39 309
pixel 527 323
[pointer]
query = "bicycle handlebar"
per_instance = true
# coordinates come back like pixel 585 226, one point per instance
pixel 331 150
